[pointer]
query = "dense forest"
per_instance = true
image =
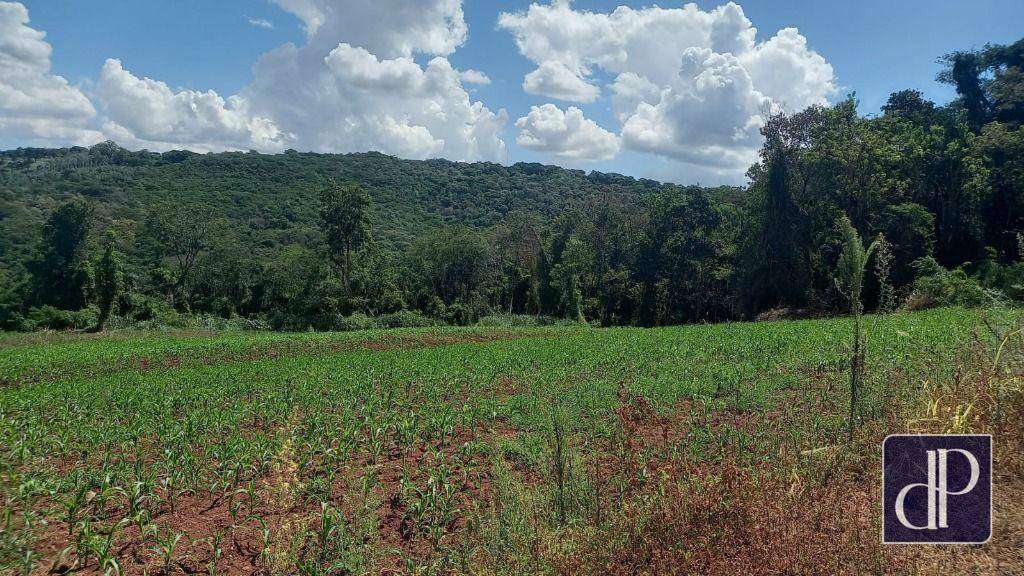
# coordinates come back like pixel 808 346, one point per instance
pixel 105 236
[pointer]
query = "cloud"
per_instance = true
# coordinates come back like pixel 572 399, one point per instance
pixel 355 85
pixel 308 11
pixel 387 28
pixel 358 68
pixel 37 107
pixel 474 77
pixel 709 118
pixel 260 23
pixel 556 80
pixel 787 71
pixel 566 135
pixel 147 113
pixel 687 84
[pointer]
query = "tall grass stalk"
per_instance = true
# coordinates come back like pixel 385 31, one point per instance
pixel 852 263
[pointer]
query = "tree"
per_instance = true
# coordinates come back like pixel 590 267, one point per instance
pixel 911 230
pixel 683 264
pixel 963 70
pixel 567 276
pixel 61 273
pixel 345 222
pixel 518 253
pixel 1001 149
pixel 109 280
pixel 910 105
pixel 451 264
pixel 853 262
pixel 181 234
pixel 776 265
pixel 990 82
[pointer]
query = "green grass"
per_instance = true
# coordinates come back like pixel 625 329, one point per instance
pixel 247 420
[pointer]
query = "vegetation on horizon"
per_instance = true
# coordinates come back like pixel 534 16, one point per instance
pixel 298 241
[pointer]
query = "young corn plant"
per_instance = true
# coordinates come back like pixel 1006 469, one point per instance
pixel 216 552
pixel 73 504
pixel 166 544
pixel 103 550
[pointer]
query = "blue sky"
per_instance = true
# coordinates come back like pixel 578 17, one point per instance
pixel 873 48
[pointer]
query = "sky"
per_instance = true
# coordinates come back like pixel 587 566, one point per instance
pixel 668 91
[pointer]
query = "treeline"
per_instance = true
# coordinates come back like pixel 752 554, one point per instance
pixel 299 241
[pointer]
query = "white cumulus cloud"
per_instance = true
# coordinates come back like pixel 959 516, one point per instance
pixel 686 84
pixel 37 107
pixel 555 79
pixel 690 86
pixel 474 77
pixel 147 113
pixel 387 28
pixel 567 135
pixel 355 85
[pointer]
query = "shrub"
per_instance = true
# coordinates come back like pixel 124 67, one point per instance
pixel 50 318
pixel 406 319
pixel 509 320
pixel 1007 278
pixel 936 286
pixel 145 307
pixel 356 321
pixel 523 320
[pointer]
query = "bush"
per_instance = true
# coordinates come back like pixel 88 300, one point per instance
pixel 466 312
pixel 146 307
pixel 50 318
pixel 523 320
pixel 1007 278
pixel 406 319
pixel 509 320
pixel 936 286
pixel 356 321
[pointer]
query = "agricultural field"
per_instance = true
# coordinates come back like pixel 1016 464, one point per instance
pixel 699 449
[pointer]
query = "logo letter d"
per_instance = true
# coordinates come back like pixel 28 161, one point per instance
pixel 933 488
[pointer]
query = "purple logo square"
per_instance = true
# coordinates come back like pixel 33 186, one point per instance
pixel 937 489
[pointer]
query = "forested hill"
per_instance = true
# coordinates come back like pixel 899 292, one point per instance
pixel 273 196
pixel 922 204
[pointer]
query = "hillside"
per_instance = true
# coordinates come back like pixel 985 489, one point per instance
pixel 274 197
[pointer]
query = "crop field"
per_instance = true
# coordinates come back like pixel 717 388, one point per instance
pixel 485 451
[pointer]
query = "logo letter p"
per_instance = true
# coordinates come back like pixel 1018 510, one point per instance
pixel 943 489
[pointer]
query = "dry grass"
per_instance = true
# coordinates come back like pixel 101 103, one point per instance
pixel 811 512
pixel 987 398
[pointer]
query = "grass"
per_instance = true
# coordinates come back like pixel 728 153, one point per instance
pixel 532 450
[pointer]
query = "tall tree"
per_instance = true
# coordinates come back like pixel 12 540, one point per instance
pixel 451 264
pixel 963 70
pixel 109 281
pixel 61 272
pixel 990 82
pixel 568 277
pixel 345 222
pixel 181 234
pixel 518 252
pixel 776 251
